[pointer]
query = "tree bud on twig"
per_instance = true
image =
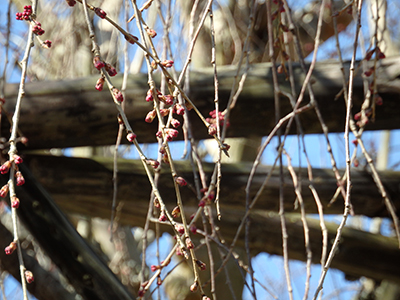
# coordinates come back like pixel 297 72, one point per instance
pixel 202 266
pixel 101 13
pixel 118 95
pixel 176 212
pixel 131 39
pixel 10 248
pixel 99 84
pixel 4 168
pixel 98 63
pixel 151 32
pixel 167 63
pixel 29 276
pixel 4 191
pixel 194 287
pixel 131 137
pixel 180 181
pixel 14 202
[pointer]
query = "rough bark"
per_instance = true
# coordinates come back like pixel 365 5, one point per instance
pixel 84 186
pixel 72 113
pixel 88 274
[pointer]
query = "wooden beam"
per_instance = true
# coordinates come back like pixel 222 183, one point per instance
pixel 86 272
pixel 72 113
pixel 85 187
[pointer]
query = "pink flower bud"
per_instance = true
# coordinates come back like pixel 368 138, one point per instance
pixel 17 159
pixel 111 70
pixel 47 43
pixel 131 137
pixel 99 84
pixel 180 181
pixel 4 191
pixel 101 13
pixel 156 203
pixel 194 287
pixel 118 95
pixel 175 123
pixel 168 99
pixel 164 112
pixel 180 229
pixel 155 164
pixel 4 168
pixel 212 129
pixel 10 248
pixel 150 116
pixel 29 276
pixel 171 132
pixel 154 268
pixel 189 243
pixel 20 178
pixel 162 217
pixel 167 63
pixel 98 63
pixel 159 281
pixel 15 202
pixel 179 110
pixel 151 33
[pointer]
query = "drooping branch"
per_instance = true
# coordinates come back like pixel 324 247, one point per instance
pixel 72 113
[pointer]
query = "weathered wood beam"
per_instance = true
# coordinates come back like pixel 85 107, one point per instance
pixel 72 113
pixel 88 274
pixel 85 187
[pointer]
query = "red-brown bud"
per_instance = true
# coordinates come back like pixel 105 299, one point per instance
pixel 162 217
pixel 111 70
pixel 202 266
pixel 131 38
pixel 98 63
pixel 151 32
pixel 131 137
pixel 180 229
pixel 175 123
pixel 101 13
pixel 4 190
pixel 14 202
pixel 176 212
pixel 189 243
pixel 167 63
pixel 99 84
pixel 118 95
pixel 150 116
pixel 29 276
pixel 180 181
pixel 4 168
pixel 20 179
pixel 194 287
pixel 10 248
pixel 156 203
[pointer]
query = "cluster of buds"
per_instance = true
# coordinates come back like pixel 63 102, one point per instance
pixel 212 128
pixel 47 44
pixel 101 13
pixel 180 229
pixel 37 29
pixel 10 248
pixel 170 134
pixel 98 63
pixel 363 119
pixel 377 51
pixel 25 15
pixel 167 63
pixel 71 2
pixel 208 197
